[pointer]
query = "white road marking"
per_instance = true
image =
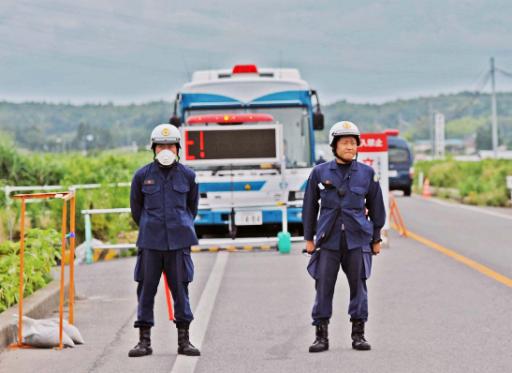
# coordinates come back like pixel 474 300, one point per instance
pixel 187 364
pixel 466 207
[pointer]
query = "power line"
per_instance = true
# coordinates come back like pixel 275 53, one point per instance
pixel 481 77
pixel 483 82
pixel 506 73
pixel 479 84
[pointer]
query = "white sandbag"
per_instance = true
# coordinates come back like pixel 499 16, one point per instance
pixel 43 333
pixel 70 330
pixel 47 336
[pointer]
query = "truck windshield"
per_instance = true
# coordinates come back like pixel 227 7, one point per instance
pixel 295 121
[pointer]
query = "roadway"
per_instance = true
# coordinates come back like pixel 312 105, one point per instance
pixel 428 312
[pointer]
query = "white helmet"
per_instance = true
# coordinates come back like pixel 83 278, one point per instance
pixel 344 128
pixel 165 134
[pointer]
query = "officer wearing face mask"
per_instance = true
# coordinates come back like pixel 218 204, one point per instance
pixel 164 198
pixel 347 232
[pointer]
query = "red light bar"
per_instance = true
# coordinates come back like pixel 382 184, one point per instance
pixel 229 118
pixel 392 132
pixel 245 69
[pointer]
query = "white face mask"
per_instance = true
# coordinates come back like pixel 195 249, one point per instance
pixel 166 157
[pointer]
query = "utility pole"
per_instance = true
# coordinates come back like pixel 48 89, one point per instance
pixel 494 115
pixel 431 129
pixel 439 135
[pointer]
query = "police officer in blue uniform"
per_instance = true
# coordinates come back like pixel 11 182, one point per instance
pixel 347 231
pixel 164 198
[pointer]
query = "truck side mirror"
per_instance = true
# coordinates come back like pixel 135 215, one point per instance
pixel 318 117
pixel 175 121
pixel 318 121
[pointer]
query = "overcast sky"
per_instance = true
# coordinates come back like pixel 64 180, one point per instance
pixel 136 51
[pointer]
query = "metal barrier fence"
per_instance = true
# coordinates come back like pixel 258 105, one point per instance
pixel 8 189
pixel 283 239
pixel 65 196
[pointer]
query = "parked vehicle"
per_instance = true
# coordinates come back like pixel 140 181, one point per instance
pixel 248 134
pixel 401 160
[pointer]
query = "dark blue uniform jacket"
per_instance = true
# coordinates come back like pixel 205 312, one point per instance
pixel 164 208
pixel 362 191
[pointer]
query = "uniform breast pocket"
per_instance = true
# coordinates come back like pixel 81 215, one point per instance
pixel 356 197
pixel 180 189
pixel 329 198
pixel 152 196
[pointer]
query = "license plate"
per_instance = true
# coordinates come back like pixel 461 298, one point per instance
pixel 248 218
pixel 393 173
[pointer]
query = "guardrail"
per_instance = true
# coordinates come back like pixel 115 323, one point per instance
pixel 88 232
pixel 283 239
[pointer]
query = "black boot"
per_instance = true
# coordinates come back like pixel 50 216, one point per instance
pixel 321 342
pixel 142 348
pixel 358 341
pixel 184 345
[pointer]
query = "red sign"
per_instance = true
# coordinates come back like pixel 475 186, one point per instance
pixel 373 142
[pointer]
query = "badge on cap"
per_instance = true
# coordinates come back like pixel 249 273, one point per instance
pixel 166 131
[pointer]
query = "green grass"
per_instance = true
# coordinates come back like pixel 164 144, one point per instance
pixel 42 249
pixel 18 168
pixel 478 183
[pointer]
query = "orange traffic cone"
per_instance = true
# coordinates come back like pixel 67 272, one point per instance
pixel 426 188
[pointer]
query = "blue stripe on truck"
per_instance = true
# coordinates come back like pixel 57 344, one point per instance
pixel 226 186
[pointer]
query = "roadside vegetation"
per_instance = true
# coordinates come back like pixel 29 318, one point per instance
pixel 21 168
pixel 42 250
pixel 475 183
pixel 42 238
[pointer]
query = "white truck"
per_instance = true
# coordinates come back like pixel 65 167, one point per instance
pixel 248 134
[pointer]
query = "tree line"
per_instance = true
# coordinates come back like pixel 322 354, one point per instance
pixel 65 127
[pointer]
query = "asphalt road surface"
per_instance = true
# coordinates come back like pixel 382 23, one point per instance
pixel 429 311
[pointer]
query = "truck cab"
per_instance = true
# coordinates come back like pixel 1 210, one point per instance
pixel 248 134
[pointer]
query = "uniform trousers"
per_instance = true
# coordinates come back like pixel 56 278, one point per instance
pixel 178 268
pixel 356 265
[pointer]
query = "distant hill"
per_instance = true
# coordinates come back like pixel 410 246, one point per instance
pixel 43 126
pixel 467 114
pixel 53 127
